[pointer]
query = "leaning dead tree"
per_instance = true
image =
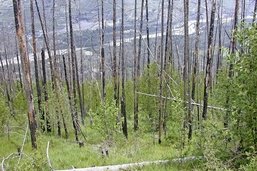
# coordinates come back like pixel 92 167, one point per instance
pixel 45 113
pixel 20 33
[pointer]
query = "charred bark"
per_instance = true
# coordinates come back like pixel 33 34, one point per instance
pixel 19 25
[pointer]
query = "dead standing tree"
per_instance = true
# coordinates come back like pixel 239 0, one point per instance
pixel 185 66
pixel 34 50
pixel 56 83
pixel 102 53
pixel 20 33
pixel 207 79
pixel 167 62
pixel 123 93
pixel 135 70
pixel 160 128
pixel 230 69
pixel 73 88
pixel 195 66
pixel 45 114
pixel 114 62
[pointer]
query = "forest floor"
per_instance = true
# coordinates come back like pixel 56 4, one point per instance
pixel 66 154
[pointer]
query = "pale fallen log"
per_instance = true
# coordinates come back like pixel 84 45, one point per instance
pixel 133 165
pixel 177 100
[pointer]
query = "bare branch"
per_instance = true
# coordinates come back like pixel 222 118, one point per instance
pixel 47 155
pixel 178 100
pixel 2 165
pixel 23 143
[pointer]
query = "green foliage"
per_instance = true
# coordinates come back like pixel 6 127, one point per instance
pixel 30 160
pixel 244 94
pixel 20 108
pixel 36 162
pixel 252 164
pixel 214 144
pixel 149 84
pixel 233 147
pixel 229 147
pixel 105 119
pixel 4 113
pixel 92 95
pixel 65 154
pixel 20 103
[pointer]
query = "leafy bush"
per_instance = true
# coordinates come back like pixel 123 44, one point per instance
pixel 105 119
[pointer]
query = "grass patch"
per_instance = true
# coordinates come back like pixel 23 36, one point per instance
pixel 65 154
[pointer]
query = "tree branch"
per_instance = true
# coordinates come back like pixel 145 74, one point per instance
pixel 2 165
pixel 177 100
pixel 23 143
pixel 47 155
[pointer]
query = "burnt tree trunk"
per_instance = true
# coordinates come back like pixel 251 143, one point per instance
pixel 114 62
pixel 207 79
pixel 196 59
pixel 45 115
pixel 34 50
pixel 123 95
pixel 56 87
pixel 102 53
pixel 20 33
pixel 135 70
pixel 73 60
pixel 45 36
pixel 230 70
pixel 160 125
pixel 137 73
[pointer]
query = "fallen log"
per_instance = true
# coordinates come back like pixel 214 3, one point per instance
pixel 132 165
